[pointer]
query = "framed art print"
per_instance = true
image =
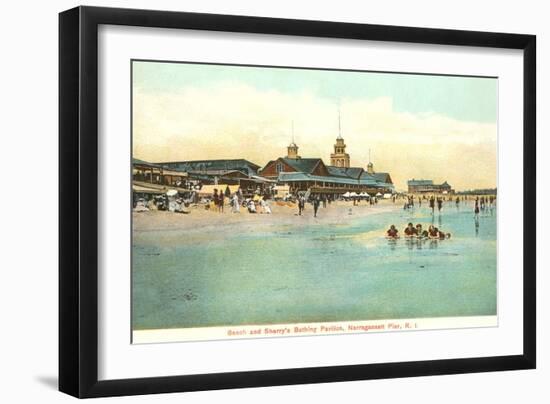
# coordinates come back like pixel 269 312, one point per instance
pixel 250 201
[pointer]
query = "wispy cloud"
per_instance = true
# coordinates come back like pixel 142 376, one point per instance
pixel 235 120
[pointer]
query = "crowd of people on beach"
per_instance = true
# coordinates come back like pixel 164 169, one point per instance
pixel 432 201
pixel 258 204
pixel 315 202
pixel 163 203
pixel 417 232
pixel 483 203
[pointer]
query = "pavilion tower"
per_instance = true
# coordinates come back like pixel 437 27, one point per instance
pixel 370 166
pixel 339 158
pixel 292 149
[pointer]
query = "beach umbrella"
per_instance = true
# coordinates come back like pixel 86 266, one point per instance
pixel 346 195
pixel 378 194
pixel 353 194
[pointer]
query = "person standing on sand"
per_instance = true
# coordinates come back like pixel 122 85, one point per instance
pixel 439 204
pixel 432 204
pixel 251 206
pixel 301 205
pixel 265 207
pixel 220 201
pixel 315 206
pixel 235 206
pixel 215 198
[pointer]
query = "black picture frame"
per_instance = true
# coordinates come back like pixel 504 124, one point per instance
pixel 78 193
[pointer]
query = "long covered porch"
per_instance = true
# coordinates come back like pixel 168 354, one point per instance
pixel 327 185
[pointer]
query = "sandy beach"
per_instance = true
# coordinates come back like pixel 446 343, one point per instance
pixel 206 269
pixel 200 219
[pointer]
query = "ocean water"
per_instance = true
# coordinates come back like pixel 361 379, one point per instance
pixel 316 273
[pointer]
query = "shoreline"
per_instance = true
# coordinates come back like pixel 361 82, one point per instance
pixel 199 219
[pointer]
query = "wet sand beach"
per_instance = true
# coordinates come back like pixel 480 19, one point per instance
pixel 209 269
pixel 200 220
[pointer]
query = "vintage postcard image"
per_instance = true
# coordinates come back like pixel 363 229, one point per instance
pixel 278 201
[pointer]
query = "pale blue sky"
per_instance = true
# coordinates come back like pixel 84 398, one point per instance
pixel 462 98
pixel 186 111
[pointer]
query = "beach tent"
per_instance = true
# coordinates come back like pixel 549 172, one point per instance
pixel 364 195
pixel 233 189
pixel 208 190
pixel 141 208
pixel 146 190
pixel 353 194
pixel 171 192
pixel 281 191
pixel 346 195
pixel 378 194
pixel 387 196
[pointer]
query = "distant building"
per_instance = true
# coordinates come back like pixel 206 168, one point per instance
pixel 428 186
pixel 340 158
pixel 203 166
pixel 231 172
pixel 312 166
pixel 482 191
pixel 145 172
pixel 292 151
pixel 302 174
